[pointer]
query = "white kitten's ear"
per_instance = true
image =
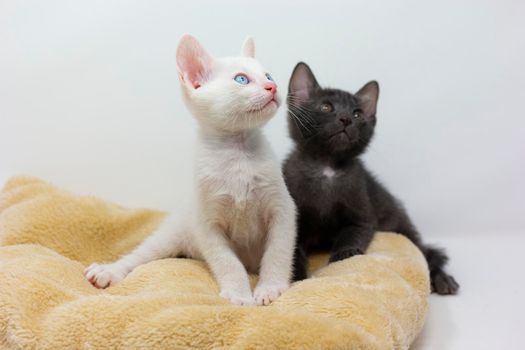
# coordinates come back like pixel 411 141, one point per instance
pixel 302 82
pixel 248 47
pixel 193 61
pixel 367 97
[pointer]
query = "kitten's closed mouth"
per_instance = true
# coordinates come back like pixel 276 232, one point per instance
pixel 263 107
pixel 340 132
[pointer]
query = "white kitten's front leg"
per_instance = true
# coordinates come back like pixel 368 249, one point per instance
pixel 276 265
pixel 164 242
pixel 228 270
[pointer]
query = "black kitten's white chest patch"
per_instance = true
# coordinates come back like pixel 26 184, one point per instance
pixel 328 172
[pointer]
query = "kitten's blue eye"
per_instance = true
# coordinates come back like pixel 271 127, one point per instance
pixel 241 79
pixel 269 77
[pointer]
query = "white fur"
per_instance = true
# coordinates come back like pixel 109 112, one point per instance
pixel 242 218
pixel 328 172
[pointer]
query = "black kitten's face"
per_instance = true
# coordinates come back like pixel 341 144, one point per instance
pixel 330 122
pixel 340 122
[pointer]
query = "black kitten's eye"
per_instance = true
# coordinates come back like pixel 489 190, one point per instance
pixel 327 107
pixel 357 113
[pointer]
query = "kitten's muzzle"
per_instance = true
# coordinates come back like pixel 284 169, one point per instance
pixel 264 105
pixel 271 86
pixel 345 120
pixel 342 131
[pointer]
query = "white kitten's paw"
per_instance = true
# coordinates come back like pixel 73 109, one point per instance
pixel 104 275
pixel 267 293
pixel 243 299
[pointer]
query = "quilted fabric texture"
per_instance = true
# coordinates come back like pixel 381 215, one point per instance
pixel 48 236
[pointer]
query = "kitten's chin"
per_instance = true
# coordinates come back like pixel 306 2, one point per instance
pixel 340 142
pixel 258 117
pixel 267 107
pixel 340 138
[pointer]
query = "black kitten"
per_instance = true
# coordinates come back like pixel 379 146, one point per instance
pixel 340 203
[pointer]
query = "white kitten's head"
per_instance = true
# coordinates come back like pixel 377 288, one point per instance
pixel 227 93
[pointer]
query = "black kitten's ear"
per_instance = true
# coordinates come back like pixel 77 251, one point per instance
pixel 367 97
pixel 302 82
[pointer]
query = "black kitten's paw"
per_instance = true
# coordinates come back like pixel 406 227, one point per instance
pixel 443 284
pixel 300 265
pixel 299 272
pixel 344 253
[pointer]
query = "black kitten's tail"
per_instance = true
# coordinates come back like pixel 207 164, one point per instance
pixel 441 282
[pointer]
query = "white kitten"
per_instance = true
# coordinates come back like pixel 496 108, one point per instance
pixel 243 217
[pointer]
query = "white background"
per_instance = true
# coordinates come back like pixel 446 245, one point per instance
pixel 89 100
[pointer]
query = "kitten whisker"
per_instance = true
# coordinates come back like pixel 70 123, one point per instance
pixel 304 127
pixel 293 102
pixel 298 119
pixel 298 127
pixel 304 115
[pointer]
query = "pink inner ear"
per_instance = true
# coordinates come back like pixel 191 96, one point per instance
pixel 193 70
pixel 193 61
pixel 195 83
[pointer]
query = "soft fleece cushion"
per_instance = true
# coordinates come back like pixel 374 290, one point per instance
pixel 48 236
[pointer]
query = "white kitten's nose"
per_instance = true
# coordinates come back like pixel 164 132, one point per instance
pixel 271 86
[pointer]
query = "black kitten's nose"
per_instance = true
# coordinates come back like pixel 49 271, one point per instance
pixel 345 120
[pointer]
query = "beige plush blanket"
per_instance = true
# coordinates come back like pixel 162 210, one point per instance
pixel 48 236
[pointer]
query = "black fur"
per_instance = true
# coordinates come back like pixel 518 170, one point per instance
pixel 340 203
